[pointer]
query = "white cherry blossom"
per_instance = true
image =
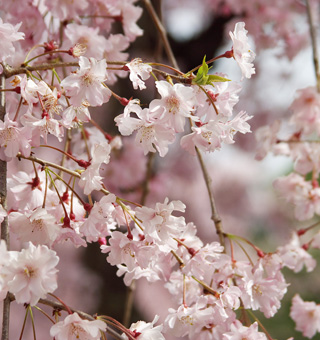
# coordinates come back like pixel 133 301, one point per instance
pixel 139 72
pixel 241 50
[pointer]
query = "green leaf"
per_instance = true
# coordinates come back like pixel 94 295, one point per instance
pixel 202 77
pixel 215 78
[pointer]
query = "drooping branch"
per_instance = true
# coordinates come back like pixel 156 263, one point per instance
pixel 83 315
pixel 4 224
pixel 215 216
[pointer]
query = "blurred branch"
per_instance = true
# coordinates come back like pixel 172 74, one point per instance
pixel 162 31
pixel 313 35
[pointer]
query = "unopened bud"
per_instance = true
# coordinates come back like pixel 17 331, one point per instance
pixel 102 241
pixel 124 101
pixel 87 207
pixel 83 163
pixel 50 46
pixel 229 54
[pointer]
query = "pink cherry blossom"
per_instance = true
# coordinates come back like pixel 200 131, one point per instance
pixel 39 227
pixel 73 116
pixel 294 256
pixel 306 315
pixel 301 193
pixel 241 50
pixel 263 293
pixel 207 137
pixel 88 37
pixel 8 35
pixel 266 137
pixel 100 221
pixel 13 139
pixel 239 332
pixel 306 111
pixel 90 179
pixel 176 104
pixel 73 327
pixel 25 190
pixel 139 72
pixel 87 83
pixel 160 224
pixel 32 273
pixel 65 10
pixel 151 134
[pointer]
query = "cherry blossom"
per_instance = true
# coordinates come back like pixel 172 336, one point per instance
pixel 238 332
pixel 100 221
pixel 65 9
pixel 87 83
pixel 32 273
pixel 39 226
pixel 306 110
pixel 295 257
pixel 146 331
pixel 151 134
pixel 13 139
pixel 175 105
pixel 263 293
pixel 241 50
pixel 8 35
pixel 90 179
pixel 73 327
pixel 306 315
pixel 93 42
pixel 138 73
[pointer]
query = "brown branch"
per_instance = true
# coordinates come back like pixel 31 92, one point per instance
pixel 215 216
pixel 162 32
pixel 313 35
pixel 53 165
pixel 9 71
pixel 4 224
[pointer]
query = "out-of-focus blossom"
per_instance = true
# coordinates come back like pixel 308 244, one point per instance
pixel 8 35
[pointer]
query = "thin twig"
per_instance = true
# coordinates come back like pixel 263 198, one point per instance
pixel 313 35
pixel 53 165
pixel 215 215
pixel 162 32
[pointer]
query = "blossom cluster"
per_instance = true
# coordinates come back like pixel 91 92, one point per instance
pixel 58 200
